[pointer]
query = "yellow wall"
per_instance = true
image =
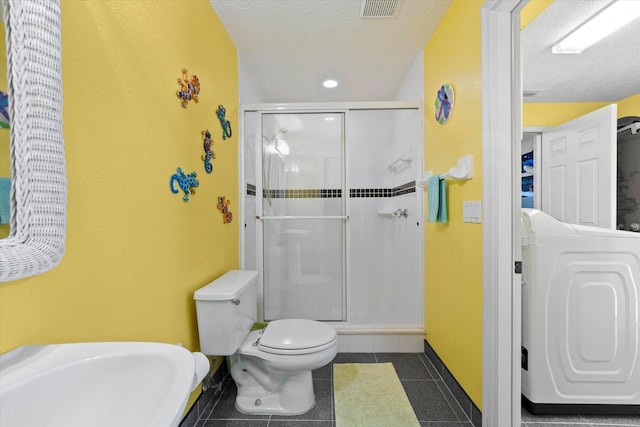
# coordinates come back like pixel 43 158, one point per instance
pixel 629 106
pixel 135 252
pixel 532 10
pixel 554 114
pixel 453 251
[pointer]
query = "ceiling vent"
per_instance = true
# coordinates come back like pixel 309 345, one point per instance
pixel 379 8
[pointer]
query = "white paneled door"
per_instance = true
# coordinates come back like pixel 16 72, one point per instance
pixel 579 169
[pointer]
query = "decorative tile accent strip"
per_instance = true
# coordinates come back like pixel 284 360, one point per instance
pixel 409 187
pixel 370 192
pixel 303 194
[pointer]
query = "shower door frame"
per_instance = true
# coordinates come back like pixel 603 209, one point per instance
pixel 332 108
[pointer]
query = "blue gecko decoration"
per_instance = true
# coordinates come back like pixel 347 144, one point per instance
pixel 226 124
pixel 187 183
pixel 207 142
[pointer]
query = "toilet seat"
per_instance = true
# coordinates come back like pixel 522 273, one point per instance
pixel 296 336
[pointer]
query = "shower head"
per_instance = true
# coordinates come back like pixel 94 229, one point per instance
pixel 282 131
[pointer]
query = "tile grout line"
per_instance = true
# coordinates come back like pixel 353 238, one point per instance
pixel 468 418
pixel 333 413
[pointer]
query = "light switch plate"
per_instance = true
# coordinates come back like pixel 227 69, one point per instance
pixel 472 211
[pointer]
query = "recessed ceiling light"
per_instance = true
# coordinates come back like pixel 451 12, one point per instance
pixel 329 83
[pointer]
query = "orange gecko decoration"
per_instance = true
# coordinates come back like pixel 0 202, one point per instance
pixel 189 90
pixel 223 206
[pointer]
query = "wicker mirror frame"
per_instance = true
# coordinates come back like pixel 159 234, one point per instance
pixel 38 195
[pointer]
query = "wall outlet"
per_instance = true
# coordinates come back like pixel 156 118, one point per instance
pixel 472 211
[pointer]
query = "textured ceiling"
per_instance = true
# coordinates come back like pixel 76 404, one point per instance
pixel 606 71
pixel 290 46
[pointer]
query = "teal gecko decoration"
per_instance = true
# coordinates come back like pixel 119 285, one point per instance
pixel 207 142
pixel 226 124
pixel 187 183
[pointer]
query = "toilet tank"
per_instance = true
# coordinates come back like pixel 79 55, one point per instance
pixel 226 310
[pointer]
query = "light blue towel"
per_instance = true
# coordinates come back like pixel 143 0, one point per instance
pixel 442 209
pixel 437 199
pixel 5 207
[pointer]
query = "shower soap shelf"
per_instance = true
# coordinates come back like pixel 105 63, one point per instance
pixel 399 161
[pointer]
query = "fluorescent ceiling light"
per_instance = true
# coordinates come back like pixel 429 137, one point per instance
pixel 329 83
pixel 608 20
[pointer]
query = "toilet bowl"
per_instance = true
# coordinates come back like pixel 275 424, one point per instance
pixel 272 366
pixel 277 379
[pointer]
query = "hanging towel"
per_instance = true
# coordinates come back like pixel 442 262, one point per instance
pixel 433 188
pixel 437 199
pixel 442 208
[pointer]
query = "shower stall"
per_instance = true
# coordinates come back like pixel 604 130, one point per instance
pixel 333 218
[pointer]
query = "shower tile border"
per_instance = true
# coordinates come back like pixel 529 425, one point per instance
pixel 328 193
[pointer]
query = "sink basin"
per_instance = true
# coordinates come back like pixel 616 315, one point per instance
pixel 98 384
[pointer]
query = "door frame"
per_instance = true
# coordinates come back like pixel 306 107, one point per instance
pixel 260 225
pixel 501 128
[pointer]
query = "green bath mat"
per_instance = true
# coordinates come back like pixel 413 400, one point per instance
pixel 370 395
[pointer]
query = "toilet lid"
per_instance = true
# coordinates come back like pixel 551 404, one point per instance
pixel 288 336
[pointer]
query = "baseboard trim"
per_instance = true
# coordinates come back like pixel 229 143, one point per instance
pixel 195 412
pixel 467 405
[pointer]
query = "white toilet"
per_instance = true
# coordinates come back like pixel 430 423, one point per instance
pixel 272 366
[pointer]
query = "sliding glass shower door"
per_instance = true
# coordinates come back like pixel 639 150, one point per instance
pixel 302 215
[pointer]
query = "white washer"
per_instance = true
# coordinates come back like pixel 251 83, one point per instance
pixel 580 310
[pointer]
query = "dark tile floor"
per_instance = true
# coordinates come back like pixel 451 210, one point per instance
pixel 432 401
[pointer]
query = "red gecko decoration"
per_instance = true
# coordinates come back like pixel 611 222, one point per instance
pixel 207 142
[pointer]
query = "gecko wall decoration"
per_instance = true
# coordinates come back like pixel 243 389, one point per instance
pixel 226 124
pixel 208 155
pixel 187 183
pixel 189 88
pixel 223 206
